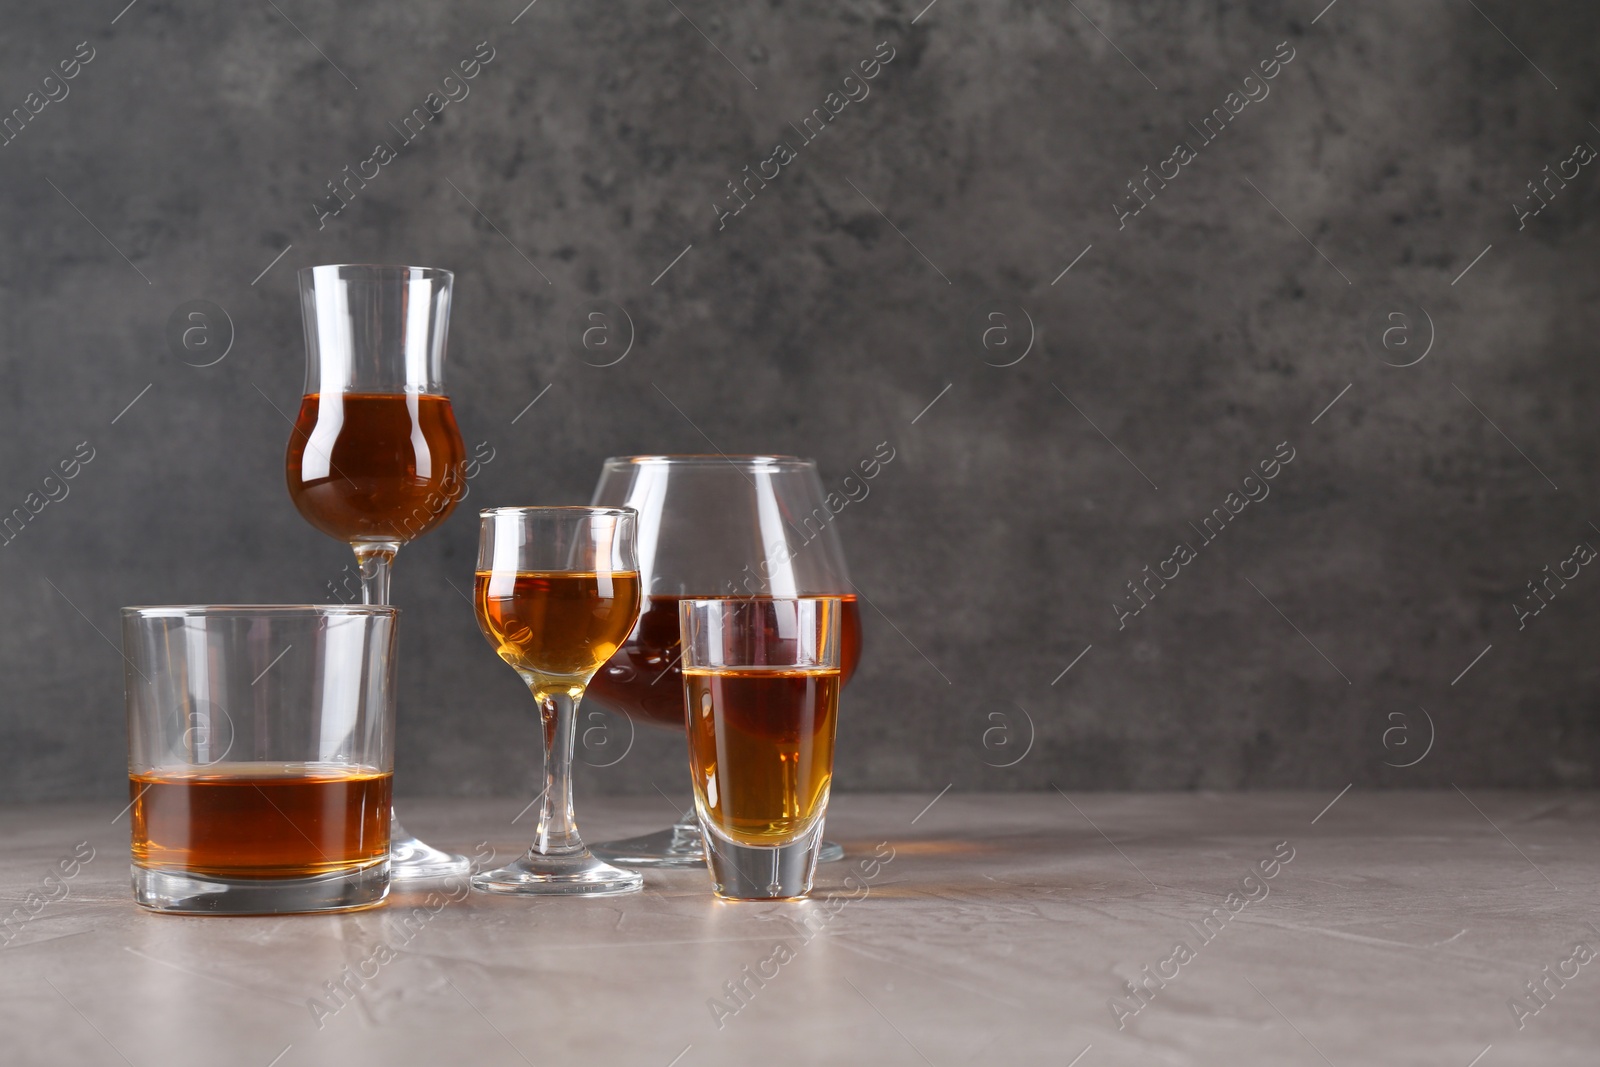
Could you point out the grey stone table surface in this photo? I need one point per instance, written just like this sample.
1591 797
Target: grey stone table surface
1383 928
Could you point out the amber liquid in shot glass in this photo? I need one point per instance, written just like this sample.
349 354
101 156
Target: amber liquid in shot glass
761 748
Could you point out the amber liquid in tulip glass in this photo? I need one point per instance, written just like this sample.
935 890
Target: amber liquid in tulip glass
375 466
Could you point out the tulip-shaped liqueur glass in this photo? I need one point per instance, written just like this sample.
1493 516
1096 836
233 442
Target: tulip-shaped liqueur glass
375 458
556 593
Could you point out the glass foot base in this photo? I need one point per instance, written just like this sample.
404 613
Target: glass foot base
412 860
573 874
752 872
671 849
676 849
184 893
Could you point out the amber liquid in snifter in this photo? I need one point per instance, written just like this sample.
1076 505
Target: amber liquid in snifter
260 820
761 748
375 466
557 624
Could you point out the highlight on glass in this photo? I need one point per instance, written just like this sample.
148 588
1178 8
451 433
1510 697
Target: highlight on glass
556 592
375 458
260 756
761 682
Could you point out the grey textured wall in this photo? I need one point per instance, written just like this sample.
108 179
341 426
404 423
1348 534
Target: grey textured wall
905 258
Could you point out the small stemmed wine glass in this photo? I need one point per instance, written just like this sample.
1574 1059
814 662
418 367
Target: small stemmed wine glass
556 593
375 458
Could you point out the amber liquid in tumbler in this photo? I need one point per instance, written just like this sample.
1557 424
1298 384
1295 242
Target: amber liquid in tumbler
253 820
644 680
761 748
557 624
375 466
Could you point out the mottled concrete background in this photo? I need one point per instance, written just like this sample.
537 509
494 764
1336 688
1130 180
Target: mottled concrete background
1360 213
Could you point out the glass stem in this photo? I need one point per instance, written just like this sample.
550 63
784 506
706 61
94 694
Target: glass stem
376 559
558 706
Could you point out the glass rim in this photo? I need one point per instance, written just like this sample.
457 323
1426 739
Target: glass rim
692 459
173 611
405 390
424 272
589 509
837 598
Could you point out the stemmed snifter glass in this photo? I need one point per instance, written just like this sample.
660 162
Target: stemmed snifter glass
713 526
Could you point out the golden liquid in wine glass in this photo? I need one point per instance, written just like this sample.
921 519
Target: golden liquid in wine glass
561 624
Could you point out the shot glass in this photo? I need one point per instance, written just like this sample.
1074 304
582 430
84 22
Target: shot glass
260 756
761 687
